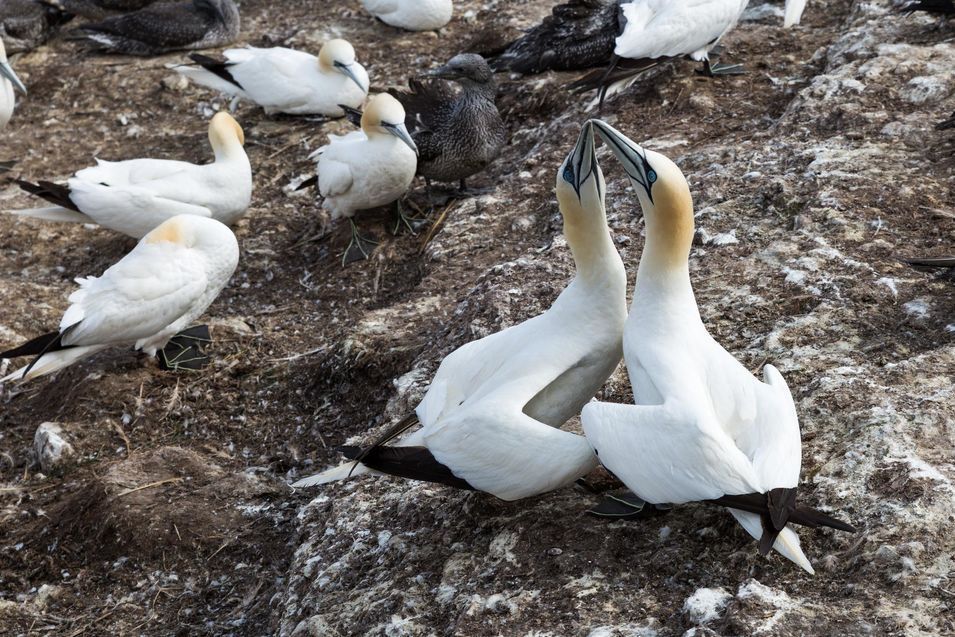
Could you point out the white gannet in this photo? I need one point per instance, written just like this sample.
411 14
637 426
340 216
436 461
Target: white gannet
136 195
367 168
702 427
282 80
491 418
413 15
9 82
166 26
169 279
793 15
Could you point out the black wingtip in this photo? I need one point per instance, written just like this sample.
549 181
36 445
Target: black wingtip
308 183
57 194
353 115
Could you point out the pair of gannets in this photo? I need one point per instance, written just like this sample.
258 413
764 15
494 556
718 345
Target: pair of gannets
9 83
282 80
458 132
144 300
167 26
413 15
367 168
136 195
491 418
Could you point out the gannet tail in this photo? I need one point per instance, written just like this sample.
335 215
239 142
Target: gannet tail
52 213
342 471
211 73
786 544
52 361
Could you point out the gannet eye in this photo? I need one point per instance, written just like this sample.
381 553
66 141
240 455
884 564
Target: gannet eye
568 173
651 176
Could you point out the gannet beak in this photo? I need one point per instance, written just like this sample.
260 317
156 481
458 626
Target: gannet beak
581 163
442 72
7 71
349 72
631 155
401 132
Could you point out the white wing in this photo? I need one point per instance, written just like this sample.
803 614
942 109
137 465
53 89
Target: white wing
138 297
668 28
664 455
132 171
794 9
334 177
132 210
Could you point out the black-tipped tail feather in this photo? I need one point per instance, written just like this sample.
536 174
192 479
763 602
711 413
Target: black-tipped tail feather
57 194
216 67
38 346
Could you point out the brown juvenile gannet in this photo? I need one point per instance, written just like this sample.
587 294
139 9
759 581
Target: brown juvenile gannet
167 26
941 7
458 131
98 9
144 300
26 24
491 418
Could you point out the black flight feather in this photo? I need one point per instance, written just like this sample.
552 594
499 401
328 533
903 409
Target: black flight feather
759 503
215 67
353 115
57 194
944 7
37 346
931 262
414 463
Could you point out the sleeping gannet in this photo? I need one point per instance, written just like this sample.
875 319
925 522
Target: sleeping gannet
793 15
136 195
282 80
367 168
702 428
491 419
942 7
166 26
458 132
9 82
413 15
26 24
169 279
645 33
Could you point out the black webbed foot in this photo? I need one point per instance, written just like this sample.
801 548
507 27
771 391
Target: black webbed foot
184 351
626 505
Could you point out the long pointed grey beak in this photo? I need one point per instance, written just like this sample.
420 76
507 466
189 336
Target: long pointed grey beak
401 132
631 155
7 71
442 72
581 164
348 71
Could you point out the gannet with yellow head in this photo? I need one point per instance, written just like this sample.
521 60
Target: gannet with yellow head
413 15
153 293
9 82
367 168
282 80
702 428
491 418
136 195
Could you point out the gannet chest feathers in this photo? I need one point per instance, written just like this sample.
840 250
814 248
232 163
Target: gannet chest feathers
282 80
136 195
413 15
702 428
490 419
153 293
9 82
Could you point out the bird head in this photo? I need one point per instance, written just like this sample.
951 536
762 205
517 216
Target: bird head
339 56
580 183
384 115
465 68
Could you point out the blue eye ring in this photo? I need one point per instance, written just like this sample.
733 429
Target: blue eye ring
568 174
651 176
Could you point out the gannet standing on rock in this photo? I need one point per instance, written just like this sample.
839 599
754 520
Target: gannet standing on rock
286 81
153 293
367 168
491 418
458 132
167 26
9 82
413 15
702 428
136 195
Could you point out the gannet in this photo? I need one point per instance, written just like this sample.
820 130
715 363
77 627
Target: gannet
458 132
367 168
943 7
136 195
9 82
702 428
285 81
26 24
167 26
491 419
793 15
145 299
413 15
98 9
647 32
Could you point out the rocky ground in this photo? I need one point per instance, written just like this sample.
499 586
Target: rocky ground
169 511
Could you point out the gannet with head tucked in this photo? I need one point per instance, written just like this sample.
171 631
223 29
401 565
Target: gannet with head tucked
167 26
491 418
367 168
136 195
26 24
702 428
282 80
793 12
413 15
9 82
458 132
169 279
